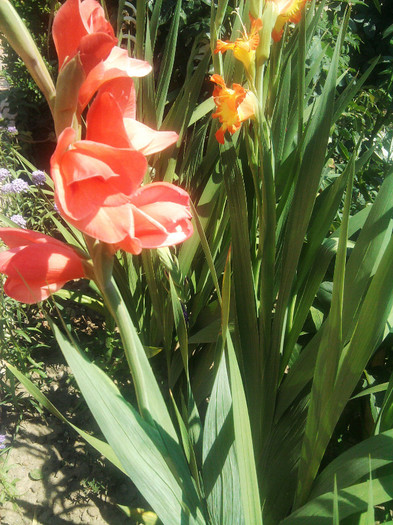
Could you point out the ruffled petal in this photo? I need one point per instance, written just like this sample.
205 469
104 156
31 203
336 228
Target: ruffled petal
95 48
153 234
94 16
85 198
90 175
127 163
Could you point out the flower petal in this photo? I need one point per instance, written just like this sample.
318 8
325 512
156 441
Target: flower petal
73 21
108 224
127 163
45 263
32 293
36 269
94 16
118 64
147 140
13 237
105 122
124 92
93 49
162 216
67 39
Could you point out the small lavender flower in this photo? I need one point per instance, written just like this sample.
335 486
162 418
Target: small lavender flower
2 439
19 185
56 208
4 173
38 177
12 130
7 188
19 220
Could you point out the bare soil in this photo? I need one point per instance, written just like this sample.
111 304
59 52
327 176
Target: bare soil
51 476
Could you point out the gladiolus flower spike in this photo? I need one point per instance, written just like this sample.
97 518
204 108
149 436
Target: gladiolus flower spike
36 265
288 11
243 48
234 106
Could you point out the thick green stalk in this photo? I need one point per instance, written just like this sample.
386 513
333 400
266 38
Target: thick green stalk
23 44
150 401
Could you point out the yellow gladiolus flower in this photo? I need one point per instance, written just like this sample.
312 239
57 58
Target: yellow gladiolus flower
288 11
234 106
243 48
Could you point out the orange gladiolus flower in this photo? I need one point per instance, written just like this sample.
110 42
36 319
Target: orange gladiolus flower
234 106
36 265
243 48
97 180
288 11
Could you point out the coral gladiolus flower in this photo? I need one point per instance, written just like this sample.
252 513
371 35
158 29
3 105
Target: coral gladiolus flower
243 48
160 216
234 106
79 23
93 178
97 181
36 265
80 28
288 11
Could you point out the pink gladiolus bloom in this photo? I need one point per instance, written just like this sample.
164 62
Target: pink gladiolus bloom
36 265
97 181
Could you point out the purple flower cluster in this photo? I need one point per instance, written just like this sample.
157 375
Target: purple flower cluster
19 185
38 177
7 188
4 173
19 220
12 130
2 439
16 186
